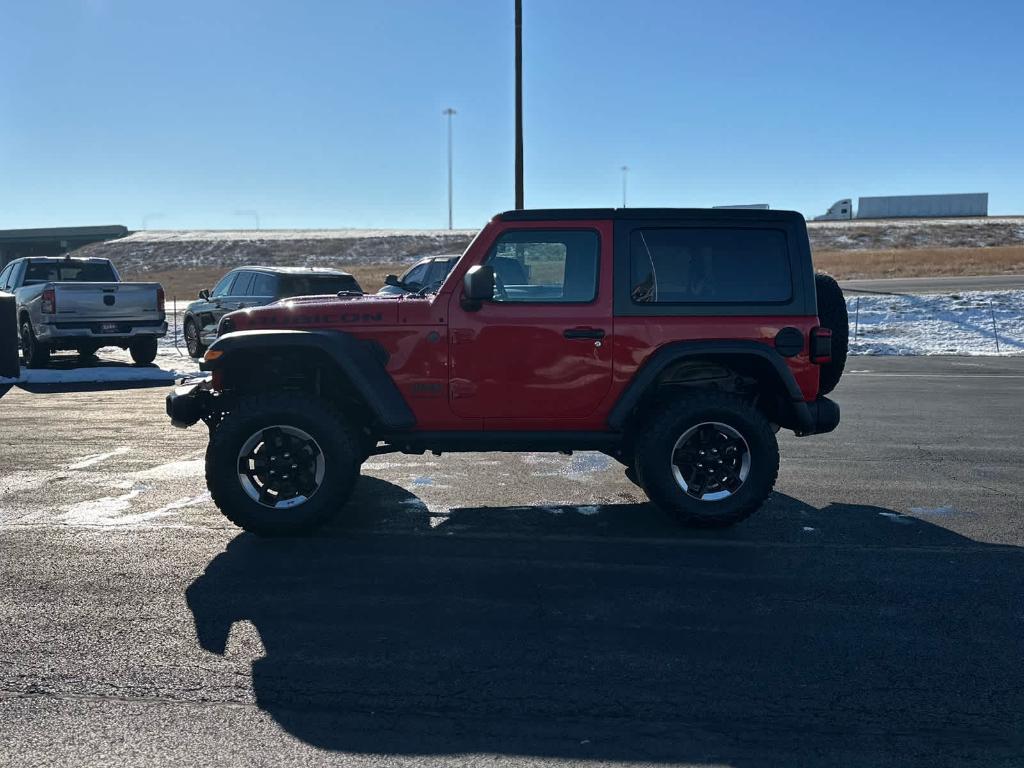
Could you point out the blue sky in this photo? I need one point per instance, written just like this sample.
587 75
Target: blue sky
328 114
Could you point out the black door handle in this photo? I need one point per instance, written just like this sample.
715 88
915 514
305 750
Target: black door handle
583 333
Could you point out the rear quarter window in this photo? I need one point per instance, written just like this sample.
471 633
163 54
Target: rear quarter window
709 265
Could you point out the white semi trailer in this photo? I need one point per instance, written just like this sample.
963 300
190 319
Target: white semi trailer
909 206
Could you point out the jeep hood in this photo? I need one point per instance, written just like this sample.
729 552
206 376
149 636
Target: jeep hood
320 311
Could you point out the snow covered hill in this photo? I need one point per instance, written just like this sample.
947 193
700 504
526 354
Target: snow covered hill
160 251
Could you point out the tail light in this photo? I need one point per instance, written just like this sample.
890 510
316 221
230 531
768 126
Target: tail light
160 298
48 305
821 345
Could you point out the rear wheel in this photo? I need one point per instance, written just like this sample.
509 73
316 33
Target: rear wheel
832 315
143 350
36 355
710 460
192 343
281 464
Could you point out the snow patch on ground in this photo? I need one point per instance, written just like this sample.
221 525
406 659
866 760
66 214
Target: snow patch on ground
965 323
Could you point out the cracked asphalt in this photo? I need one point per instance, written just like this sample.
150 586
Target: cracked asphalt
523 609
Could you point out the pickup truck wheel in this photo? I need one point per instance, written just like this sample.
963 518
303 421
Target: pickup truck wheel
709 460
281 464
192 343
36 355
143 350
833 315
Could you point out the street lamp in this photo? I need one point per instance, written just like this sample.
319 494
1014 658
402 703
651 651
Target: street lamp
625 172
448 113
519 105
255 215
149 217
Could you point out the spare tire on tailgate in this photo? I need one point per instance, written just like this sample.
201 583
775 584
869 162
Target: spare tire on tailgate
832 315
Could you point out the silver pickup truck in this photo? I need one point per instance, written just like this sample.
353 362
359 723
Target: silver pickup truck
81 304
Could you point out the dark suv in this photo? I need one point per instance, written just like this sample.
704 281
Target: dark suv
676 341
253 287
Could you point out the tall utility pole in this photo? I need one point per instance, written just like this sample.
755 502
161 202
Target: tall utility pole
625 171
519 104
448 113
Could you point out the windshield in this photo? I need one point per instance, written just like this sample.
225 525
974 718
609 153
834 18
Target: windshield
312 285
425 277
69 272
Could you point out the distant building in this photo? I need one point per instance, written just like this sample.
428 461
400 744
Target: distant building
15 243
909 207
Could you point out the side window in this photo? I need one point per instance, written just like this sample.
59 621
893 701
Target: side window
17 274
709 265
263 285
535 265
221 289
243 284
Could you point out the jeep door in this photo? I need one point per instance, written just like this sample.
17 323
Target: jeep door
541 349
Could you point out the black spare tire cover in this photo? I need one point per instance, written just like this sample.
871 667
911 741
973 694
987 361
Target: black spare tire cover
832 315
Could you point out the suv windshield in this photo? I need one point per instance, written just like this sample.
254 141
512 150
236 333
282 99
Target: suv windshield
69 272
313 285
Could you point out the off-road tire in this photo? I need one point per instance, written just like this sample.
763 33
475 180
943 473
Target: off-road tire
143 351
832 315
334 435
192 343
36 355
663 428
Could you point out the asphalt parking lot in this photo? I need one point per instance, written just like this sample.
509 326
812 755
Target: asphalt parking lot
525 609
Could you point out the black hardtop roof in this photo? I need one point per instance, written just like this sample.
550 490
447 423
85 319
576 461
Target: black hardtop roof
682 214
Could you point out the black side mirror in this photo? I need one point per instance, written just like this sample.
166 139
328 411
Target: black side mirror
204 294
478 284
393 280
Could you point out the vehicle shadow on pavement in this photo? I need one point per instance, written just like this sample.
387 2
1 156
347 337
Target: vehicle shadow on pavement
899 643
72 374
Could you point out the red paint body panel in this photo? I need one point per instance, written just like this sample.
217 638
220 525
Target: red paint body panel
508 366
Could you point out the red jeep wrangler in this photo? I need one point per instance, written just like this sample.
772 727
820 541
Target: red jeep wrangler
677 341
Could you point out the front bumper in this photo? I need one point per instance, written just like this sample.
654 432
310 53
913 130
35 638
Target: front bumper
189 403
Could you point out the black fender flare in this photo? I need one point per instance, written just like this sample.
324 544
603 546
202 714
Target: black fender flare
362 363
676 351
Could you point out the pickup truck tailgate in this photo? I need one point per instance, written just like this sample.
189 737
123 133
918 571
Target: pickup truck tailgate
107 301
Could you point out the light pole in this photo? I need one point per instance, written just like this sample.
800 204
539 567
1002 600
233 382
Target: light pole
519 104
254 214
625 172
448 113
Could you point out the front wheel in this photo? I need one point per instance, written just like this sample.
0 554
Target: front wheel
281 464
710 460
143 350
192 343
36 355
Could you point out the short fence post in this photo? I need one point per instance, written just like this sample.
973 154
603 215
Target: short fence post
856 321
995 330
